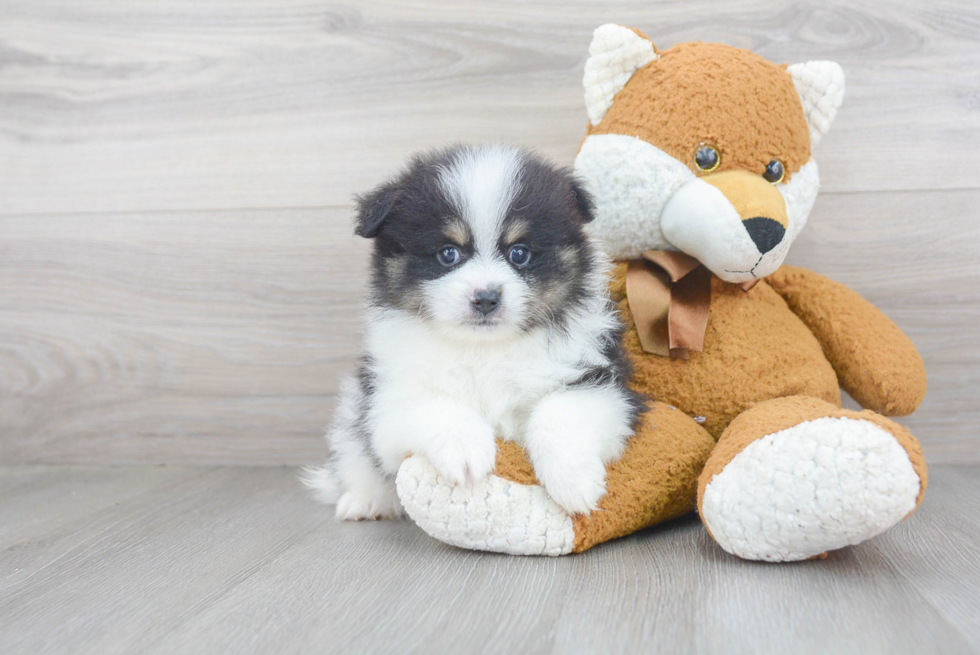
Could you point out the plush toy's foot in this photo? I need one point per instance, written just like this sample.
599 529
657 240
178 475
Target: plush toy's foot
793 478
494 514
509 512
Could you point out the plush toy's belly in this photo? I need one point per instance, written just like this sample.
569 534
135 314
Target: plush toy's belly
755 348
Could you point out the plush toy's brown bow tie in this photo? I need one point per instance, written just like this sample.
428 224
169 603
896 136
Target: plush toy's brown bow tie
669 294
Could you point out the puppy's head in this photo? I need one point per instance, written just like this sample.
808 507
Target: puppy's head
481 242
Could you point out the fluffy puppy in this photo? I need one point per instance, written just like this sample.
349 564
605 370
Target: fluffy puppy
488 317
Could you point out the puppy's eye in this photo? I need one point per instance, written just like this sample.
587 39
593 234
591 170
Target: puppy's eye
519 255
706 158
774 172
448 256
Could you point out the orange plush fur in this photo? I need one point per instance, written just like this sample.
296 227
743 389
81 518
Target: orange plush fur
707 92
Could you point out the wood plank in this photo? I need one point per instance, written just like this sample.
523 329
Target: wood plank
218 337
949 579
241 560
684 594
39 500
187 104
149 563
181 338
361 588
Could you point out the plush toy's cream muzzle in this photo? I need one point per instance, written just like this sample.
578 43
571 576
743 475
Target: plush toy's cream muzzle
758 203
733 222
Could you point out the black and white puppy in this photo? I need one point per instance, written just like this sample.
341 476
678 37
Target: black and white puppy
489 317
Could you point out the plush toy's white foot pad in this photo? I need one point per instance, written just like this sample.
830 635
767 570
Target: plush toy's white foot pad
493 514
809 489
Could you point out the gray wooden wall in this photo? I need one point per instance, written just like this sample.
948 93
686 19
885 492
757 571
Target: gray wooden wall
178 282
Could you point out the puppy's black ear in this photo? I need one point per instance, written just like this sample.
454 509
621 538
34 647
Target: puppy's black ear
583 200
373 208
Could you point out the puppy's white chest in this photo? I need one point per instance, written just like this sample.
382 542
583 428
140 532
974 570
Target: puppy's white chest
501 380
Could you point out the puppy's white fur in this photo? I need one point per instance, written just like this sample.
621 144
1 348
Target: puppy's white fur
445 386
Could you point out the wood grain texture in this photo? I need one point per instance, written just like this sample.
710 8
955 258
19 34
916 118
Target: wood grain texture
219 337
178 282
236 560
216 336
188 104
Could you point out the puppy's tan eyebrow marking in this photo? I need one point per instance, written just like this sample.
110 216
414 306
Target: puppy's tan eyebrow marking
395 267
516 230
457 231
569 256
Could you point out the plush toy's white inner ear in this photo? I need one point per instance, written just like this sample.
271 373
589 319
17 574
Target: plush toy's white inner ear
614 55
821 88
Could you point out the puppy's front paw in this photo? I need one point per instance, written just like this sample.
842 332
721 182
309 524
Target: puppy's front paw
575 483
464 455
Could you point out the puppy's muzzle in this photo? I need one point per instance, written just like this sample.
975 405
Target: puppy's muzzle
486 301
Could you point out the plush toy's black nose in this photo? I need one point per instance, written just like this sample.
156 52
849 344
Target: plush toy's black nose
765 232
486 300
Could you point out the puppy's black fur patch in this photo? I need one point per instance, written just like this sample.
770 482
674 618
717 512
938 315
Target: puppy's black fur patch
407 217
410 217
554 207
616 372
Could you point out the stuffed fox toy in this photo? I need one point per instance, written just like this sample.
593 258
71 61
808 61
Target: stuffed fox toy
699 158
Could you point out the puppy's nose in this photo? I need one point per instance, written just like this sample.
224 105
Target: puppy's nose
765 232
486 300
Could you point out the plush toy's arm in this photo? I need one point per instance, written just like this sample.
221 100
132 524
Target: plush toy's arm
874 360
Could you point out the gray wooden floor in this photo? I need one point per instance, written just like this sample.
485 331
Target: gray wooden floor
238 560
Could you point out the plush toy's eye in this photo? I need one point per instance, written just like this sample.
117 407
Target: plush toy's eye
448 256
519 255
706 158
774 172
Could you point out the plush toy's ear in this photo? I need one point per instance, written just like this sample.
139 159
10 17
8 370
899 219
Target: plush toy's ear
373 208
615 54
821 88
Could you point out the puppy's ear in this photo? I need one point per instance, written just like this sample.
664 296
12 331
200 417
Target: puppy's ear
583 200
373 209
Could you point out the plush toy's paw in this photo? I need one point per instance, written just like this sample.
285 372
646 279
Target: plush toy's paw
511 512
492 514
464 458
353 506
815 486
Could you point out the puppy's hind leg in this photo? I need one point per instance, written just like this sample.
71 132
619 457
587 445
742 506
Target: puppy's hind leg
367 492
352 478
